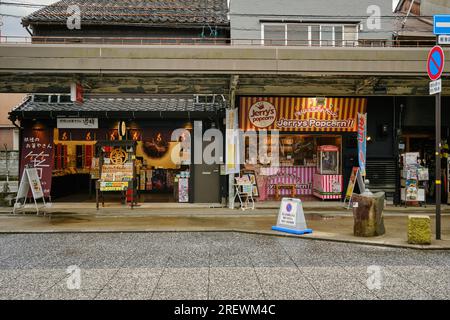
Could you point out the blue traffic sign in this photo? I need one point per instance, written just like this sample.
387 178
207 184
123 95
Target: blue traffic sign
435 63
441 24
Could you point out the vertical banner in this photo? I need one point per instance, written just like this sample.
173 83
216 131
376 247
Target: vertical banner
37 152
362 142
231 143
76 92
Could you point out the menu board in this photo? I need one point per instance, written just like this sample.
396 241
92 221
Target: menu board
117 173
113 186
116 177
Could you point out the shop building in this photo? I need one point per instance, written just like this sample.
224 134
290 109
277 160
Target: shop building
314 139
123 138
314 23
119 141
321 79
125 22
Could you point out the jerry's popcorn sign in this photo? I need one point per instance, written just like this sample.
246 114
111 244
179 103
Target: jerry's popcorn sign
301 114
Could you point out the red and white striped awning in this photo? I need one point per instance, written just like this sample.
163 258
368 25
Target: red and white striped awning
300 114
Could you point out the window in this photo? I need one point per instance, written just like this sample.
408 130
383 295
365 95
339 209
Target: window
297 35
275 35
327 36
303 34
16 139
350 36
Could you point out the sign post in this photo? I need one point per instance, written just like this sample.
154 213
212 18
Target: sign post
435 67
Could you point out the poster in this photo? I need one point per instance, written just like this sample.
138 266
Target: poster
183 190
35 183
411 158
362 142
251 176
351 183
37 152
412 190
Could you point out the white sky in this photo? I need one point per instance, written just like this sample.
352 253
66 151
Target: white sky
12 26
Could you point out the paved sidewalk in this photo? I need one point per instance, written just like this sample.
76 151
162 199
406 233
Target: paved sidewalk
213 265
333 225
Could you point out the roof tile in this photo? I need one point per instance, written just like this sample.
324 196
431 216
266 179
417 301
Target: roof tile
170 104
135 12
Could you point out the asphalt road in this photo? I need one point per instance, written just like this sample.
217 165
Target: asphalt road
213 266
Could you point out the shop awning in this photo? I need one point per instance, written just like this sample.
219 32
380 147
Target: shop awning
173 107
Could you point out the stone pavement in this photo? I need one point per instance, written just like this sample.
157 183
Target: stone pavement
214 265
332 223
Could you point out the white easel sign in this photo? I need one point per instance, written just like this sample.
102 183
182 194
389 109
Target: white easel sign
30 179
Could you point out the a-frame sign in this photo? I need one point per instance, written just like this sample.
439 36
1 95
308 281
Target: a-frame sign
30 180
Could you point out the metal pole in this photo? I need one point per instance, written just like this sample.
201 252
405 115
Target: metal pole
438 166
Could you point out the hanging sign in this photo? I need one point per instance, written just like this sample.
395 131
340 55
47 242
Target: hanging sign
76 92
77 123
300 114
362 142
291 218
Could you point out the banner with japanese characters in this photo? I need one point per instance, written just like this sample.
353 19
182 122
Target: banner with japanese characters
362 142
37 152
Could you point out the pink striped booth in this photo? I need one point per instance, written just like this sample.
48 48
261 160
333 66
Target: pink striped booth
301 176
328 186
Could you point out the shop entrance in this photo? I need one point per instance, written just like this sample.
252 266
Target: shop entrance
301 158
161 172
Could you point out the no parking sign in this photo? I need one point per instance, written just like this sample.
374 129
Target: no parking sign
291 218
435 63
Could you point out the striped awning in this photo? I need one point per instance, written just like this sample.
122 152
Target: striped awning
300 114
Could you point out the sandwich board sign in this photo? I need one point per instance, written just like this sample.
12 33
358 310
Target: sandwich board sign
30 180
355 177
291 218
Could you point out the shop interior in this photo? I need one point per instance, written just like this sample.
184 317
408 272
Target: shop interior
301 159
81 158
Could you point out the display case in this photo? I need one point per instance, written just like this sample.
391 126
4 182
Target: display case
328 160
117 169
414 179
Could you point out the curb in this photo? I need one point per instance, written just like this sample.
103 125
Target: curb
256 232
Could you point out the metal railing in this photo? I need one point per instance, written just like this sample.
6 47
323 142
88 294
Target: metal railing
377 43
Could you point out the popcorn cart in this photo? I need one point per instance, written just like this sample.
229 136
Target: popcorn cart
327 181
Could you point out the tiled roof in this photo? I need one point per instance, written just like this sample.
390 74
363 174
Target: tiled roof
131 12
413 26
160 104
